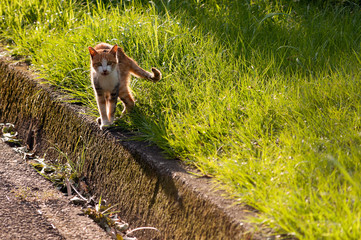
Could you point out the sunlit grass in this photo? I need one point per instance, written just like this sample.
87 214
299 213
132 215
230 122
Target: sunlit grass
262 95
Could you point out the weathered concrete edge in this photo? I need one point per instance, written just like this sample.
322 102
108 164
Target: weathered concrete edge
150 189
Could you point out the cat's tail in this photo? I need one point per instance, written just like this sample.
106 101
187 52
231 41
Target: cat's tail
134 68
157 75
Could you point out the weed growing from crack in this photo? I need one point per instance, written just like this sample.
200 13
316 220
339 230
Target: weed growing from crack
9 135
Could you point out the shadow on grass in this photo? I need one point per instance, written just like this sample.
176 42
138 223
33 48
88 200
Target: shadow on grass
304 36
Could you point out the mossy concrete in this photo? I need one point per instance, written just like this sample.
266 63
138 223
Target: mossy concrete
150 190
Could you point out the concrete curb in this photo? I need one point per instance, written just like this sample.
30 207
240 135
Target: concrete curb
150 189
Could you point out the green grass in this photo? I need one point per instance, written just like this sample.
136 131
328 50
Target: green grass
262 95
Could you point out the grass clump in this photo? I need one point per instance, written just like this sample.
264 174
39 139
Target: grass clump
262 95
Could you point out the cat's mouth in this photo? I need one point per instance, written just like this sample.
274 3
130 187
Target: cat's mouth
105 73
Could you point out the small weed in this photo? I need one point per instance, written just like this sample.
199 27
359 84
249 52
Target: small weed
23 193
9 135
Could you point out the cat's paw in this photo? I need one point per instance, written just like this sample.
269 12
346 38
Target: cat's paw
103 125
157 75
99 121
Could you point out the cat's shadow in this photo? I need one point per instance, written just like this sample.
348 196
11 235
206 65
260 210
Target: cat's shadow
159 165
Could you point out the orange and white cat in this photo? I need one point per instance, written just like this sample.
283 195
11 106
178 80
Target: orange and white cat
110 74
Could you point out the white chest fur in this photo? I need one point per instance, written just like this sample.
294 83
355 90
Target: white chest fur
107 82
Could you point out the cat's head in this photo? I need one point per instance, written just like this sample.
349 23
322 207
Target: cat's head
103 58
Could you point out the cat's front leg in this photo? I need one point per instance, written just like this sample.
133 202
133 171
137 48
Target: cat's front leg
101 102
112 103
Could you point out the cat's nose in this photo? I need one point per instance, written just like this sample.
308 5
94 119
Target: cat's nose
105 72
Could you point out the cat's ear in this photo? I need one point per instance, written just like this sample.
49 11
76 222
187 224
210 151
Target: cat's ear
121 54
92 51
114 49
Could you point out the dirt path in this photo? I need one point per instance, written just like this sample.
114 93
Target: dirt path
31 208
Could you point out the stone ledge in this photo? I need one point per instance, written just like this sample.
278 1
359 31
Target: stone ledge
150 189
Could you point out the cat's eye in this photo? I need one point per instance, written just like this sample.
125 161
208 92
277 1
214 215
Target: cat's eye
98 64
109 63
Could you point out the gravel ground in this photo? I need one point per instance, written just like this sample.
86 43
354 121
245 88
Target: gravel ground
31 208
